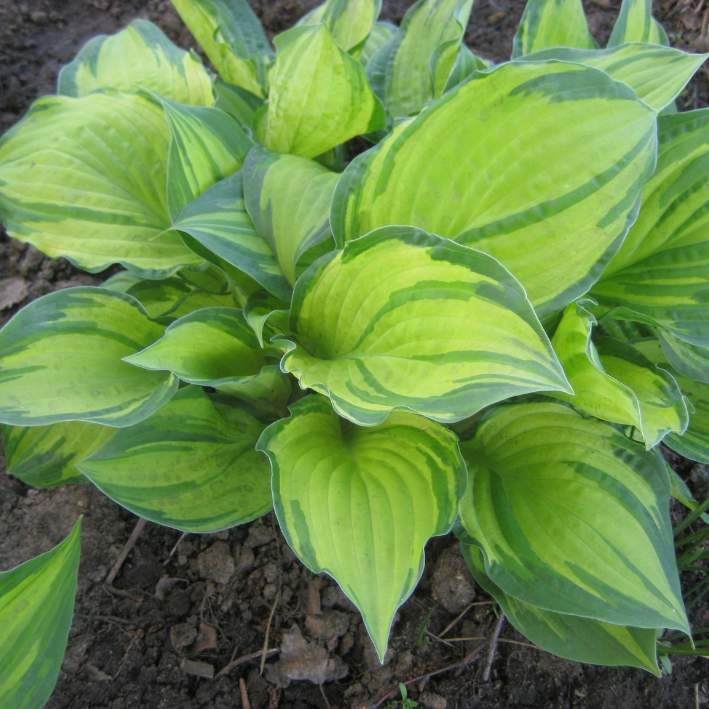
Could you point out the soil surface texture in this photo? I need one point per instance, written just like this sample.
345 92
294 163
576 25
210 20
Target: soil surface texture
185 624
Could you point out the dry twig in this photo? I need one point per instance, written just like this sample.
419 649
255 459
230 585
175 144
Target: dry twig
245 658
125 551
268 629
493 647
245 703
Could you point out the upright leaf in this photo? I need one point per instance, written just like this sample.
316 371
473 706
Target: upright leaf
411 69
238 103
216 347
656 74
288 199
218 220
47 455
61 360
350 21
140 56
636 24
36 607
262 307
361 503
86 179
570 637
615 382
690 361
187 466
233 38
206 145
552 23
465 64
402 318
539 165
572 516
320 96
381 33
661 273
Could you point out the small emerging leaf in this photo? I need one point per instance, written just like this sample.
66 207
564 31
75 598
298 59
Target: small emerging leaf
188 466
636 24
36 607
361 503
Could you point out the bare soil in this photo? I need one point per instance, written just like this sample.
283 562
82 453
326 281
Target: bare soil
177 617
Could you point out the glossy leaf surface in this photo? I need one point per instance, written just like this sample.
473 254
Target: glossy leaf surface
61 360
569 148
401 318
188 466
361 503
572 516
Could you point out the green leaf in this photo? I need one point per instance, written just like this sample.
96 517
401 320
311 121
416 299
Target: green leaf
47 455
636 24
216 347
139 57
615 382
569 148
552 23
206 145
694 443
689 360
288 199
60 360
568 636
656 74
218 220
36 607
238 103
465 64
233 39
381 33
661 273
262 307
402 318
319 96
572 516
86 179
361 503
350 21
188 466
412 68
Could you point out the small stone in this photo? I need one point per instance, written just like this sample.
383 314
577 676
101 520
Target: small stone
39 17
216 563
182 635
328 626
12 291
431 700
452 584
259 534
244 561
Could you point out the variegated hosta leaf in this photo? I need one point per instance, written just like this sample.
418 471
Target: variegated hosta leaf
636 24
320 96
86 178
288 199
694 443
238 103
661 273
190 466
657 74
361 503
233 39
381 33
539 165
615 382
262 308
47 455
572 516
61 360
216 347
689 360
218 220
412 68
568 636
350 21
402 318
140 56
206 145
465 64
552 23
36 607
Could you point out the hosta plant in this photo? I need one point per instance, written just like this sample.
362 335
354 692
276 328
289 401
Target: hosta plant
488 321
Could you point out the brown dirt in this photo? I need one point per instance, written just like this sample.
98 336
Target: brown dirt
211 601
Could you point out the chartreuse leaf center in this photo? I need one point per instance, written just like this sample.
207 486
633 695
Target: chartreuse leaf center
360 503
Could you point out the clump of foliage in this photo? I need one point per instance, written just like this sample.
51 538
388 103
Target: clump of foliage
489 320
